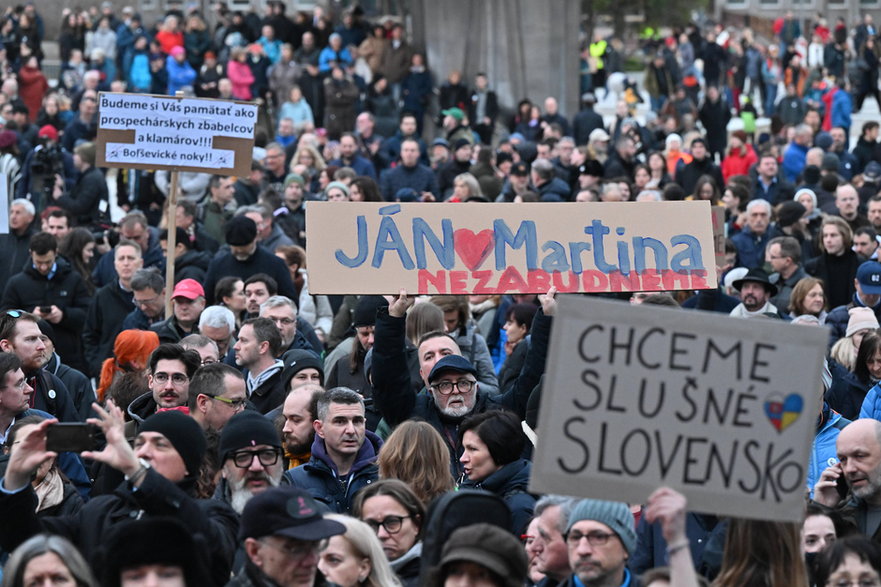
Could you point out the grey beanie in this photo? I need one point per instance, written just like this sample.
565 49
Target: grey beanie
614 514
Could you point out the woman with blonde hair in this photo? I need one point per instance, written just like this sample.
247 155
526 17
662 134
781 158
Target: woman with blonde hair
356 558
416 454
311 159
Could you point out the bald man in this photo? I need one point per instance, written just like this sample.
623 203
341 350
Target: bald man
859 453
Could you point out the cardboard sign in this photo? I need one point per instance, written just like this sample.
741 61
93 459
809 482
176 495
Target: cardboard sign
721 409
143 131
373 247
7 204
718 216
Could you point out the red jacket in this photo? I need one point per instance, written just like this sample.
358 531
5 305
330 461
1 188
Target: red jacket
736 163
32 85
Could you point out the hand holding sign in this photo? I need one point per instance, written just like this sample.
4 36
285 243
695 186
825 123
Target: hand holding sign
667 507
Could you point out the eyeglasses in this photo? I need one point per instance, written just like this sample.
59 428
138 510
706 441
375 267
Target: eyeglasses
392 524
18 386
285 321
146 302
297 550
594 538
446 387
236 404
244 458
176 378
208 361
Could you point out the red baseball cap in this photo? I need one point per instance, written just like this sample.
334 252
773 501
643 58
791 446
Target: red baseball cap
188 288
48 131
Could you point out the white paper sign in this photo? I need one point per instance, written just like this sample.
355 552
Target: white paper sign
174 132
722 409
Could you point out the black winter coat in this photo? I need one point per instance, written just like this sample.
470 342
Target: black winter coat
108 309
157 496
68 291
83 201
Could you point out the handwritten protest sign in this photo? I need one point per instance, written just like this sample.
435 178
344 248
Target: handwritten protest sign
722 409
373 247
175 133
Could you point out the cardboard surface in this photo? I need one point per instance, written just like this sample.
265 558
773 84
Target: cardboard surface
722 409
144 131
378 248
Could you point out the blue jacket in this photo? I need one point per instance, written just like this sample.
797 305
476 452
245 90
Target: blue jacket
361 165
842 106
823 453
871 407
328 55
836 319
319 475
794 161
180 75
751 247
510 483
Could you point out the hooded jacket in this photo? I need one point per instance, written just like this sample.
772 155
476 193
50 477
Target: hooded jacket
320 477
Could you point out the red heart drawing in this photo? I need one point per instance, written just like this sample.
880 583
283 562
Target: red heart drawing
472 248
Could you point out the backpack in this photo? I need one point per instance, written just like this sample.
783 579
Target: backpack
452 511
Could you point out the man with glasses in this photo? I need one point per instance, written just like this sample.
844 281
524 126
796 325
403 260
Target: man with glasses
148 296
250 453
283 312
171 368
187 302
283 532
600 537
343 454
203 345
217 393
110 306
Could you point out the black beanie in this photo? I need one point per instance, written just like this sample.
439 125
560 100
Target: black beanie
240 231
152 540
811 175
365 311
295 360
789 213
246 429
184 434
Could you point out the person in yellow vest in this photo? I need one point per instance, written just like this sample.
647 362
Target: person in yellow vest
597 52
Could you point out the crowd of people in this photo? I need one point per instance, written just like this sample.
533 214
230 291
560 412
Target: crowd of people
260 434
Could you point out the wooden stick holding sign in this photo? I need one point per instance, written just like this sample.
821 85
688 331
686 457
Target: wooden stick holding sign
175 133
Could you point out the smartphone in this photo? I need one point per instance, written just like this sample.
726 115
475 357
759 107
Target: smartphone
841 486
71 437
45 309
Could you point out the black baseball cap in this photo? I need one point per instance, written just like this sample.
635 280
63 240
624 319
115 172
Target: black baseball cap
286 511
454 363
520 168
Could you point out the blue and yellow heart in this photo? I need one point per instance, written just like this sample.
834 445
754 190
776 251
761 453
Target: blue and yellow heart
783 412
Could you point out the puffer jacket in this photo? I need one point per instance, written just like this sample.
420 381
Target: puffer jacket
320 477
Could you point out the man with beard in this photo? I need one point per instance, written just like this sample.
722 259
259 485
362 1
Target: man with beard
601 539
299 412
171 369
396 398
859 455
250 453
217 393
755 290
21 336
343 453
256 350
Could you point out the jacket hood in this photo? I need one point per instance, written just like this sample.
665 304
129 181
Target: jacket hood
366 454
142 407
